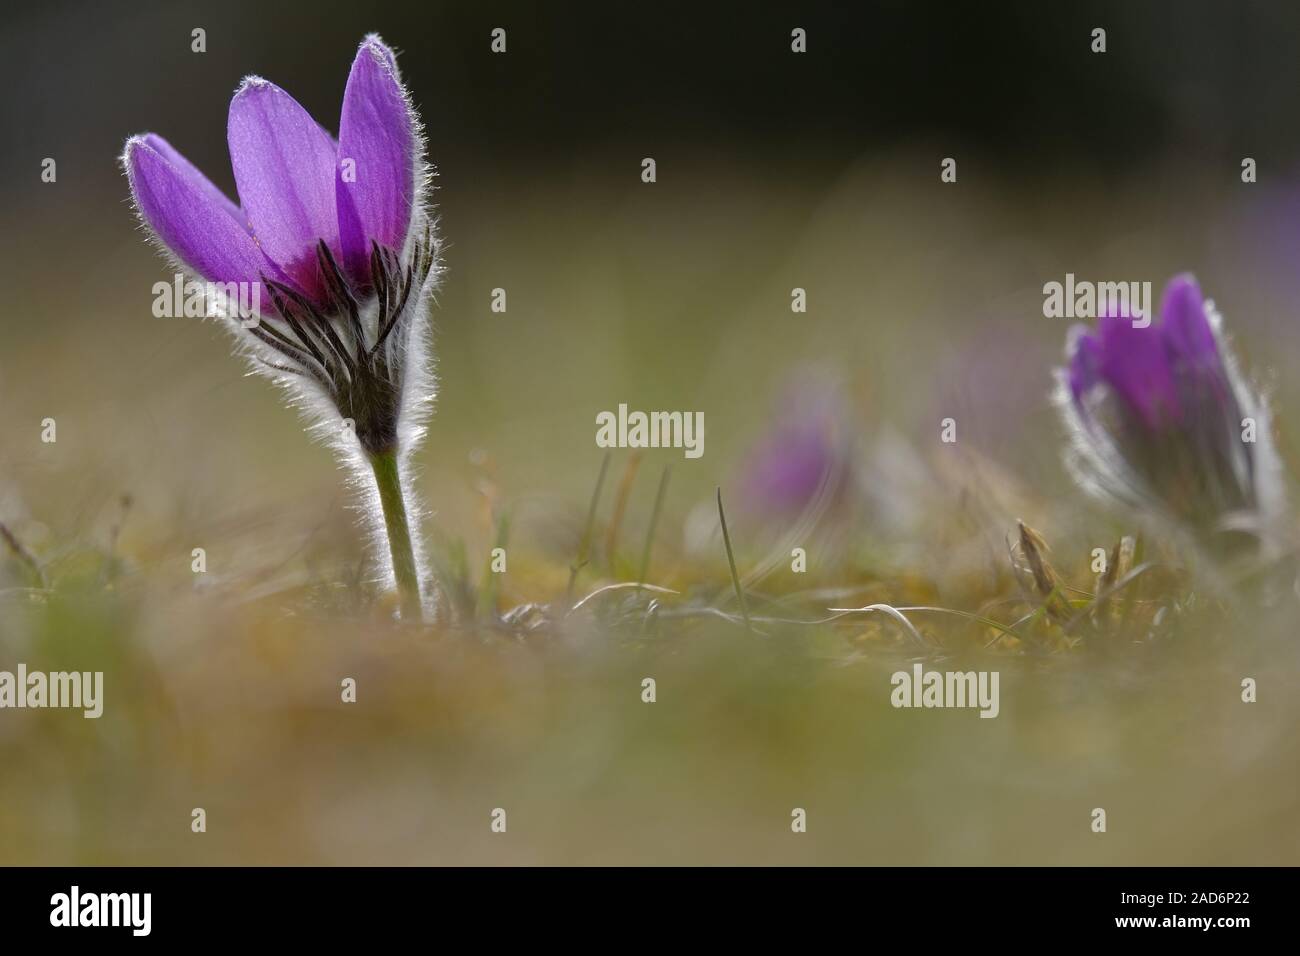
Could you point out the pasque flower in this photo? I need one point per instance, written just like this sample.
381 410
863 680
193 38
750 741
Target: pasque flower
801 462
336 241
1162 420
797 483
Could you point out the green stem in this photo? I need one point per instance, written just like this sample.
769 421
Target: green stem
399 533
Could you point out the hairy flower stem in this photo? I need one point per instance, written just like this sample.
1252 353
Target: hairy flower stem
399 533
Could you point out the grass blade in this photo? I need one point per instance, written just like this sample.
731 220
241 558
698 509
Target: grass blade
624 491
731 561
584 546
23 555
654 523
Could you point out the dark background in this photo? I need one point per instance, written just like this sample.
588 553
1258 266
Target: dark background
1017 80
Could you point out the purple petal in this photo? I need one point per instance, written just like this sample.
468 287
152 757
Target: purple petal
1134 363
787 468
198 224
194 175
1193 350
284 168
1187 330
377 133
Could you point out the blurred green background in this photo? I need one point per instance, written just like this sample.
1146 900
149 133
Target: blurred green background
819 171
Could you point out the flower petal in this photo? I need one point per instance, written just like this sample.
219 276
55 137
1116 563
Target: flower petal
1187 330
785 471
191 217
284 168
1194 357
191 172
377 158
1134 363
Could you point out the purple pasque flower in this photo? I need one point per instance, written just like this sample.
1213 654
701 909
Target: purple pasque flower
333 237
336 244
796 464
800 464
1161 419
797 480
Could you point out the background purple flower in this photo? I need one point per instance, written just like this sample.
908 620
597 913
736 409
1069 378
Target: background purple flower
801 461
1162 421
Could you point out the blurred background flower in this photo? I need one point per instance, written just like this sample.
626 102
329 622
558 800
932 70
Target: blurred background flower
801 465
1162 420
